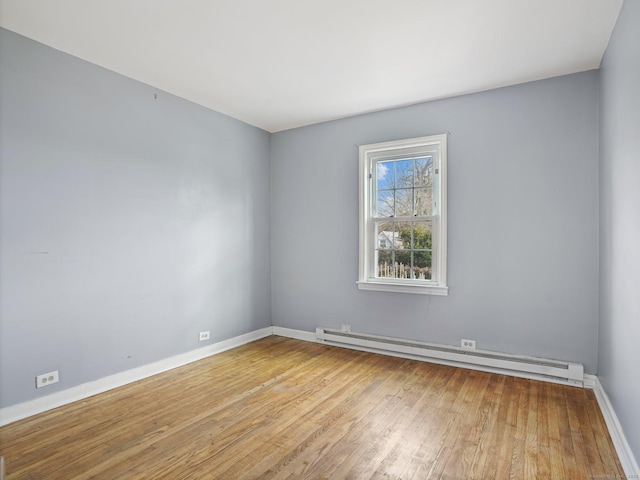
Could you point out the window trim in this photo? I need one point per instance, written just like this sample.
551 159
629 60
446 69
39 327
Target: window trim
367 280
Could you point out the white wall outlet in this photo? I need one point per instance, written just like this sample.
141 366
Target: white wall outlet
47 379
466 343
204 336
345 327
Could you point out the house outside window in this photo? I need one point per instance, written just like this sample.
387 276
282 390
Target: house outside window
403 228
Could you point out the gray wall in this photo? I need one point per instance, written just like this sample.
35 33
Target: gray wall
619 355
523 222
128 223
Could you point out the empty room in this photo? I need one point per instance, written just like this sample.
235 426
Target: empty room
351 239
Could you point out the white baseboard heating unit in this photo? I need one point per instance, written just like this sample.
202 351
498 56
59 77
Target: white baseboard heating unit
495 362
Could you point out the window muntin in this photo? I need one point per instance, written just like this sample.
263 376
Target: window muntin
403 222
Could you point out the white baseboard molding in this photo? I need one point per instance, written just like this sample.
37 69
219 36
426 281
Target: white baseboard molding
297 334
628 461
589 381
85 390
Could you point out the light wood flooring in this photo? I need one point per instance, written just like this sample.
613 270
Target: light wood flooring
280 408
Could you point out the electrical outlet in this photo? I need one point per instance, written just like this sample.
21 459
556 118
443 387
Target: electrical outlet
204 336
466 343
47 379
345 327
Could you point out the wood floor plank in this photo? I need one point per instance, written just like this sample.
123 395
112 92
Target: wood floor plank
406 459
366 412
280 408
531 437
400 430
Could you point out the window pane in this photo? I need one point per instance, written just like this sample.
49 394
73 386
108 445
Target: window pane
402 235
404 173
422 235
384 175
424 201
403 264
404 202
424 172
385 204
421 265
385 235
385 264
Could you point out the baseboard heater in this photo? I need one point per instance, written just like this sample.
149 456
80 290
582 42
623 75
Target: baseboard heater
496 362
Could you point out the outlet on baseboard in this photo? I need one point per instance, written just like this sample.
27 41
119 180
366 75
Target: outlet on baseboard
466 343
204 336
345 327
47 379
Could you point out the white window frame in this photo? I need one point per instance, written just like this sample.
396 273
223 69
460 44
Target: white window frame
436 146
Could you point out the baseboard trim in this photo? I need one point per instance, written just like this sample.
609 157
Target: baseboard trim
26 409
297 334
589 381
627 460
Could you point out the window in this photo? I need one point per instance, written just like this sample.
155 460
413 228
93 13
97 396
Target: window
403 221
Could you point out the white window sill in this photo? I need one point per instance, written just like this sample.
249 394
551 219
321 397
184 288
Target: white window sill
404 288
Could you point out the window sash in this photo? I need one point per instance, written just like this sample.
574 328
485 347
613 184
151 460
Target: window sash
373 249
416 154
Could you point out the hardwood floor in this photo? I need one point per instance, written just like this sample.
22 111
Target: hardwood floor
285 409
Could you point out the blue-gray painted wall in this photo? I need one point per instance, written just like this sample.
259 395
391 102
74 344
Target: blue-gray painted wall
523 222
619 333
128 223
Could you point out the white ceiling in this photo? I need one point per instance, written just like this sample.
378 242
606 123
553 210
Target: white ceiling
279 64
